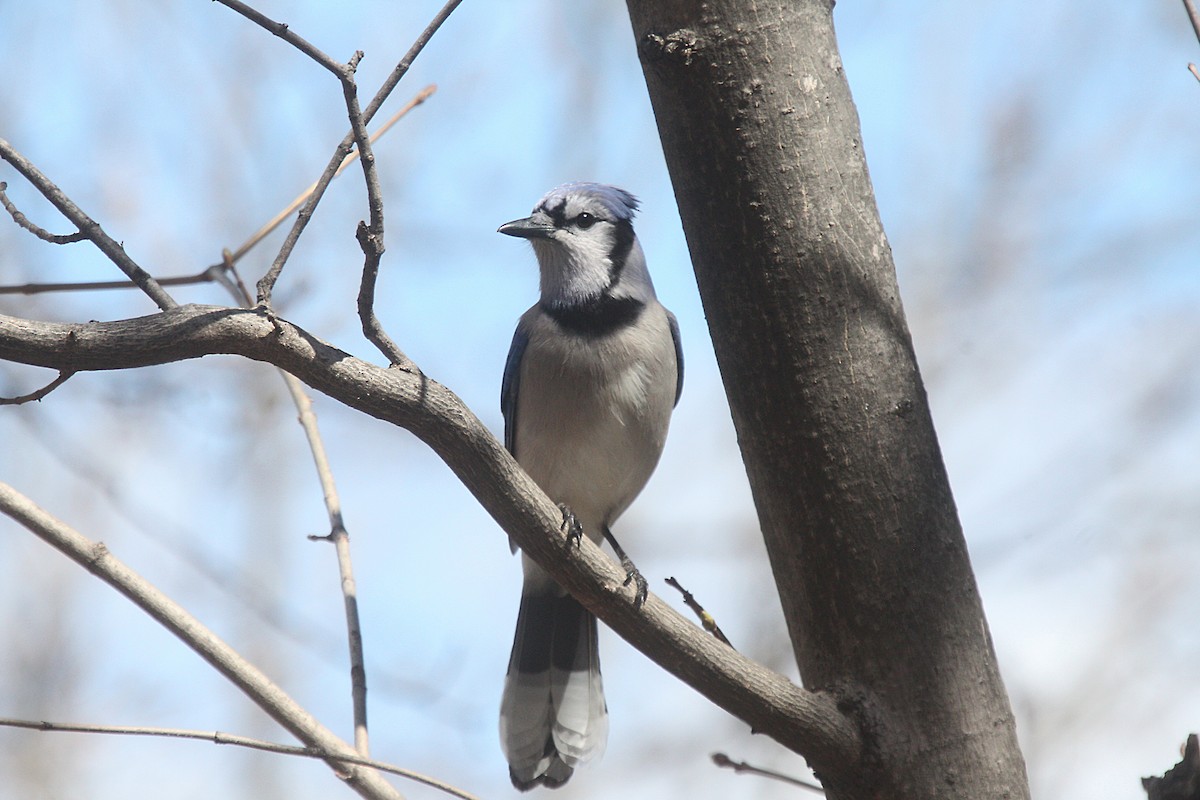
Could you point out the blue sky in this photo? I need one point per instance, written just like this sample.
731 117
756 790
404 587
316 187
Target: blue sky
1035 169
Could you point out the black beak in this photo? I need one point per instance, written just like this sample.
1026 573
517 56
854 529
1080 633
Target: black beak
527 228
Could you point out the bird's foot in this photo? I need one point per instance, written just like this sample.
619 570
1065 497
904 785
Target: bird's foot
631 572
570 525
632 575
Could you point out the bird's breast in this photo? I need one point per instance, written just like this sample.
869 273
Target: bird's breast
593 413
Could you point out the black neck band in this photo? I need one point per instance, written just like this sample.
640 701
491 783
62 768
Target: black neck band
599 316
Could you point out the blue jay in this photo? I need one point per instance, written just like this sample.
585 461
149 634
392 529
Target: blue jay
593 374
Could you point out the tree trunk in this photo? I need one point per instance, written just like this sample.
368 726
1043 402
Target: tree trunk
763 145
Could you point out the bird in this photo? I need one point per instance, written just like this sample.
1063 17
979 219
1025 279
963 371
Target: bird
593 374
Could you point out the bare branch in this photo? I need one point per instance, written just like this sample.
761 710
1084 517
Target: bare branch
88 227
402 67
338 535
722 760
370 237
1193 16
706 619
341 540
62 378
266 230
281 30
354 639
267 283
24 222
97 559
372 247
366 156
212 274
807 722
219 737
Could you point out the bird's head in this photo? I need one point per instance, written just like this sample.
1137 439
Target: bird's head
582 235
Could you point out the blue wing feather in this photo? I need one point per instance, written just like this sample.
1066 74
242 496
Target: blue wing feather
674 323
510 385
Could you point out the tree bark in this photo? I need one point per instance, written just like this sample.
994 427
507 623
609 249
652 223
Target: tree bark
763 146
1180 782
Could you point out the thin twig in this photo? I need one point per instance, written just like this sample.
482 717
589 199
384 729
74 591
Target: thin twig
370 237
97 559
341 541
1194 16
209 275
220 737
722 760
27 224
366 155
267 283
372 248
402 66
235 284
339 534
266 230
706 619
354 638
239 584
88 227
62 378
281 30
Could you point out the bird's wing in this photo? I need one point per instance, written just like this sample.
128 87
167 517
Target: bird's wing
510 385
674 323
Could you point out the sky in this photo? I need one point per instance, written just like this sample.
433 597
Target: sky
1034 166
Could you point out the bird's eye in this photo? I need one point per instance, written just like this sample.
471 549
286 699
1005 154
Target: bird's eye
585 221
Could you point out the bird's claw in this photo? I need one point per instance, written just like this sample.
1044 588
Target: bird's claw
570 525
633 576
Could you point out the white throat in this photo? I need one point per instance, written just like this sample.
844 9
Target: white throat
572 273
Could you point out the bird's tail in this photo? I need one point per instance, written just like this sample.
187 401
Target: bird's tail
552 714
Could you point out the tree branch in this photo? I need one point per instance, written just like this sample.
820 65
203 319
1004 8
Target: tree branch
706 619
62 378
338 534
1193 16
24 222
87 226
215 273
219 737
810 723
741 767
96 558
275 221
282 30
267 283
340 538
372 247
402 66
370 236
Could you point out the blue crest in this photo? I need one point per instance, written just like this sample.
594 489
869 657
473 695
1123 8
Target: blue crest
620 203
